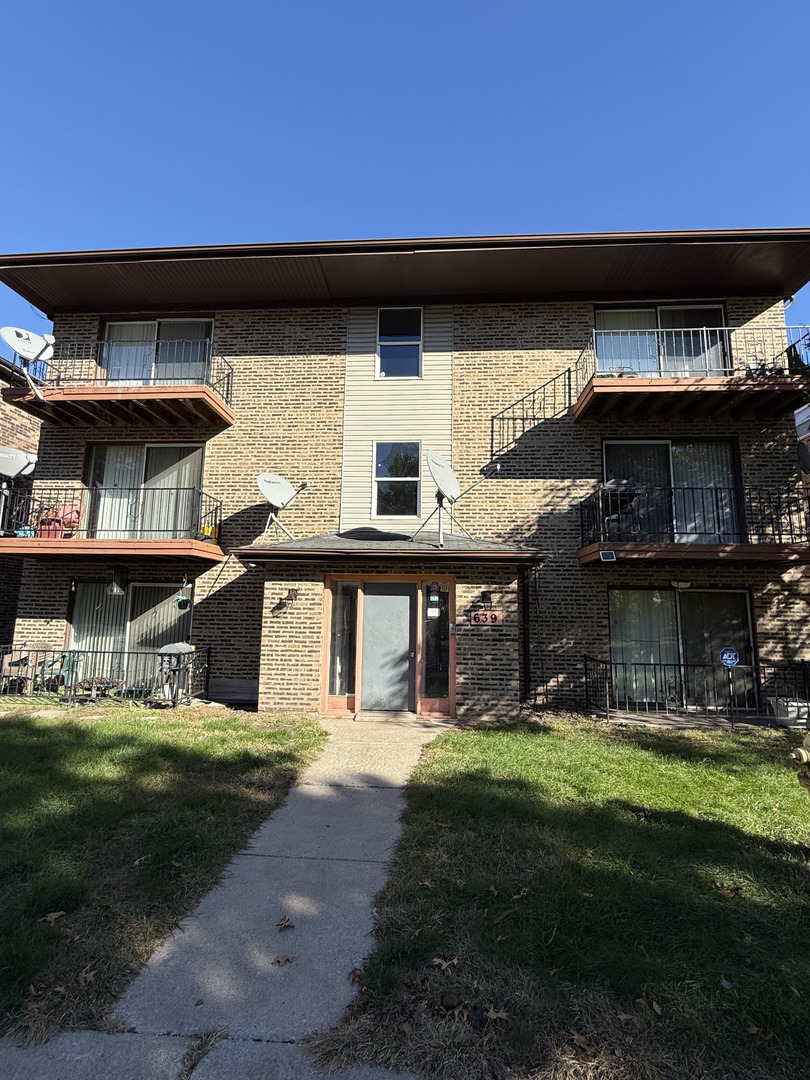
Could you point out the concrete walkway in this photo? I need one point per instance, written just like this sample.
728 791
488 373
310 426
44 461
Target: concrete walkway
319 861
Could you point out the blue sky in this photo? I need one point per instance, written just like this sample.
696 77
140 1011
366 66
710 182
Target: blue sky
167 123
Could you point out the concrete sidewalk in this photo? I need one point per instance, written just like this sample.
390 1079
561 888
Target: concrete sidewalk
320 861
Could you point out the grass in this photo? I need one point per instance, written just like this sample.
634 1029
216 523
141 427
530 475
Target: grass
114 822
572 900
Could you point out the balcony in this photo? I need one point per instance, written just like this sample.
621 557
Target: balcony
697 524
707 372
105 384
132 522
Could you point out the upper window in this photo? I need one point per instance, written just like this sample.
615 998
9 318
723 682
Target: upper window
396 479
399 342
670 341
168 352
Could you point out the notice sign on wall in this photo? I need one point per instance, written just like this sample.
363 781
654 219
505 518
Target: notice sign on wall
486 618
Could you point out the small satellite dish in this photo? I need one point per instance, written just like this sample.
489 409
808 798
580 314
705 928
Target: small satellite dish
278 491
280 494
29 347
446 480
16 462
804 457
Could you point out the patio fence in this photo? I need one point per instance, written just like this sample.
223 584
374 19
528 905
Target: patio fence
776 692
74 675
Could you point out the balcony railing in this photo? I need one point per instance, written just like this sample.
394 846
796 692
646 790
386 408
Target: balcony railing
136 363
706 353
98 513
626 513
148 677
778 692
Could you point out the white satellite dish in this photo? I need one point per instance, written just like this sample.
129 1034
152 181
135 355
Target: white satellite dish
16 462
29 347
449 489
280 494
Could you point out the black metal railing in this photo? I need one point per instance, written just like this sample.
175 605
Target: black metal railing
136 363
761 353
777 691
97 513
77 674
624 512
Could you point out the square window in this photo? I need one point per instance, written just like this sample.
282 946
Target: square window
396 479
399 342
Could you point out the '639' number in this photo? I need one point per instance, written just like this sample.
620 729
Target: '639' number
486 618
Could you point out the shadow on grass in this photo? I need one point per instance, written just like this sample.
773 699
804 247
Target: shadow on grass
727 748
116 834
616 899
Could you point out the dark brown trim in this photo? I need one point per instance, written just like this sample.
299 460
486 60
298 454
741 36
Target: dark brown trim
342 555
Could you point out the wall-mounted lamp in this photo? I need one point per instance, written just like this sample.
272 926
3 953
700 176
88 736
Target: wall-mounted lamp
286 602
117 581
486 598
681 585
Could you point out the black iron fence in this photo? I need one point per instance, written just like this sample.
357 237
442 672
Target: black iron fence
778 692
112 514
136 363
76 675
625 512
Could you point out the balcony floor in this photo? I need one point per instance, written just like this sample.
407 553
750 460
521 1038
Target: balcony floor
621 397
672 552
54 548
111 406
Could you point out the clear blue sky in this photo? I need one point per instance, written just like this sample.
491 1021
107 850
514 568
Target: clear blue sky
142 124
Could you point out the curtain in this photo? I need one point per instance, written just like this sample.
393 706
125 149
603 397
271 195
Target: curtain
155 618
710 622
114 499
638 497
170 501
128 353
690 343
644 632
182 352
622 345
704 497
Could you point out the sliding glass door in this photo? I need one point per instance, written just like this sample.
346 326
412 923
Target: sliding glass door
677 342
168 352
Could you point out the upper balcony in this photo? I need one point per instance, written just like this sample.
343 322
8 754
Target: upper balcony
99 521
703 372
753 524
109 383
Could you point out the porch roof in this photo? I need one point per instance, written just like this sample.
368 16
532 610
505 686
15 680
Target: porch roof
359 544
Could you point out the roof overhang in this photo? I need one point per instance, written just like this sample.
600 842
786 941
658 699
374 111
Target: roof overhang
608 266
417 553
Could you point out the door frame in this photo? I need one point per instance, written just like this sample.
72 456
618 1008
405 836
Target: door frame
438 708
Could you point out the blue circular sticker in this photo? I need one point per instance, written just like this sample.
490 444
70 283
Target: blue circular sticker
729 657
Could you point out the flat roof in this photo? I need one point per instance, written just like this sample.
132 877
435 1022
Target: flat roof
607 266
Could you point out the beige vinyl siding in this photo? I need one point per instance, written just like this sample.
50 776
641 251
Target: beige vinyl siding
393 410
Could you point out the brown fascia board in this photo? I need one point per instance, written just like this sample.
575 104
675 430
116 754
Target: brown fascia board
769 262
268 554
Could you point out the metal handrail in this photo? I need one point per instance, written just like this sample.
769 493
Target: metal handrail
629 513
115 513
190 362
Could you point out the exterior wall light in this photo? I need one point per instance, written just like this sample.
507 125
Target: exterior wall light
117 581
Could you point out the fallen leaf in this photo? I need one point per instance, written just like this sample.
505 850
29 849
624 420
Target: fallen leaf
554 971
139 861
86 976
32 989
52 917
553 935
581 1041
588 894
725 984
656 1007
60 989
283 959
493 890
428 884
496 1014
503 915
734 890
356 975
522 892
626 1016
285 924
445 962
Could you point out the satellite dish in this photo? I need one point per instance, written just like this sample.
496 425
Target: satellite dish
279 493
450 489
16 462
804 457
29 347
446 480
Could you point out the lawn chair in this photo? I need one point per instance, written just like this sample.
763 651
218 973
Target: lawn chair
13 677
61 523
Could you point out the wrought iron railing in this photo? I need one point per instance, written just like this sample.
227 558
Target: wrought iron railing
761 353
777 691
625 512
77 674
98 513
136 363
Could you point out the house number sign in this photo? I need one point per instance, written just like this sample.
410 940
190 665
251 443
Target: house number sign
486 618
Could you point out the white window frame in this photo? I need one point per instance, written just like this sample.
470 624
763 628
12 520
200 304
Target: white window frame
375 481
402 307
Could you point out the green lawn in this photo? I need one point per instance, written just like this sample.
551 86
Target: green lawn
636 902
114 822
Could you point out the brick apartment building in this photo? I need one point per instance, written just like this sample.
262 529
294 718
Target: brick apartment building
636 391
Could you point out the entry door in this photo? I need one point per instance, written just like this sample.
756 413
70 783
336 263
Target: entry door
389 647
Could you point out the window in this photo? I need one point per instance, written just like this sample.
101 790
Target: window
396 479
168 352
669 341
399 343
